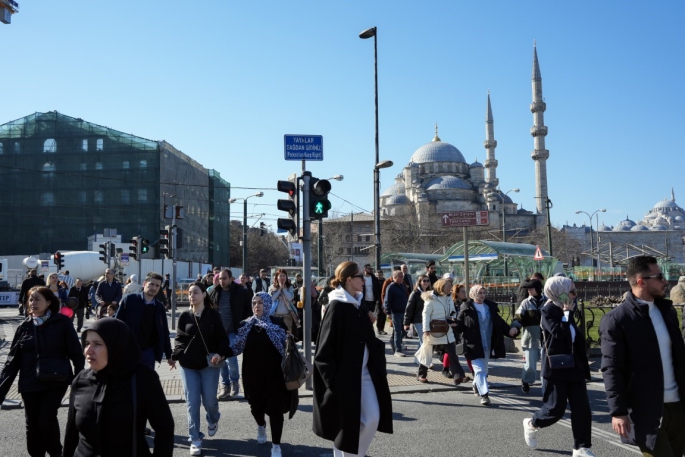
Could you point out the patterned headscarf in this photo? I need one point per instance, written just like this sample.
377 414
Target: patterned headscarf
276 334
473 292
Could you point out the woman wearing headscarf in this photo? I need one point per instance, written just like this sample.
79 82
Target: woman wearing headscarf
261 340
50 336
438 305
564 385
351 393
458 297
413 315
200 336
111 401
133 287
483 331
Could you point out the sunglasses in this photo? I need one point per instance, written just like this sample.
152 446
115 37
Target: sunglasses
358 276
658 276
425 280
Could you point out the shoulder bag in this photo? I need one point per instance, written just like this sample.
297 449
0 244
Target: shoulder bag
558 361
296 369
439 327
51 369
210 355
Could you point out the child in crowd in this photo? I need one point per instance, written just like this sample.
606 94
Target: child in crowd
112 310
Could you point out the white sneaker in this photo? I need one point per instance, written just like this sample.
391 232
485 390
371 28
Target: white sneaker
212 429
196 448
276 450
530 435
261 434
583 452
399 354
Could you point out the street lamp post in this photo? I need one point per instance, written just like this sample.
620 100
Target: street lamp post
504 223
377 209
368 33
233 200
322 272
592 246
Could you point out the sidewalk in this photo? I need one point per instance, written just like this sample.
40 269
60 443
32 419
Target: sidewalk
503 373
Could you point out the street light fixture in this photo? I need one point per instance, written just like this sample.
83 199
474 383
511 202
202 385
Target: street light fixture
233 200
592 247
368 33
320 244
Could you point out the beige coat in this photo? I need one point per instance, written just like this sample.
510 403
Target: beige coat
437 307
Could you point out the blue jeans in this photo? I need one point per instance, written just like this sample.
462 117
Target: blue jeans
397 328
229 370
200 386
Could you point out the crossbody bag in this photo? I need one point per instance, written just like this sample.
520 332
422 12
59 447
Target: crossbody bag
210 355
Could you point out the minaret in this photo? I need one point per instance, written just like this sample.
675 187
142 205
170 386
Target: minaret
490 145
539 132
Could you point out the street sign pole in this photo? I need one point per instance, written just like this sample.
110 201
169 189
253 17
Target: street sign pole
466 260
307 273
172 284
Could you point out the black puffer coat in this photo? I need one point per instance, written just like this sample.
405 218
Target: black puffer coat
469 327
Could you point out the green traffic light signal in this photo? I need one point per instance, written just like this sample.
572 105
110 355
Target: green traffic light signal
318 209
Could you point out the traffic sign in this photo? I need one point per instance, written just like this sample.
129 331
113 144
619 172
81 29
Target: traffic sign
538 254
303 147
44 265
465 218
124 260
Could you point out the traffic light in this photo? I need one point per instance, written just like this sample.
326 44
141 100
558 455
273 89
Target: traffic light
290 205
104 252
145 247
58 259
164 246
319 204
262 228
134 248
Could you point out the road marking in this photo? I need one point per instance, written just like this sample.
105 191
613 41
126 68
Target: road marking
608 437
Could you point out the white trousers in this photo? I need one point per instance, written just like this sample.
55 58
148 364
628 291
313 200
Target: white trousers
369 418
480 374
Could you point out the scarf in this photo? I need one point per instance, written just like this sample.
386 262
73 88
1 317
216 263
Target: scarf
473 292
555 287
275 333
40 320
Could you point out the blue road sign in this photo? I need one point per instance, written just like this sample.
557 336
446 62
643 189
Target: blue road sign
303 147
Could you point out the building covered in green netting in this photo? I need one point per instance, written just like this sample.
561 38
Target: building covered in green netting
64 179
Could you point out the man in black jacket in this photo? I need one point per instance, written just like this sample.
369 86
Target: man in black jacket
372 298
81 294
32 281
643 364
233 304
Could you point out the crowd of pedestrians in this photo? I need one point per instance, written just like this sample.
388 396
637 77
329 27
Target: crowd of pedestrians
118 394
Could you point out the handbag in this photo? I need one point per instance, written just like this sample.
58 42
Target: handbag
51 369
209 355
557 361
425 353
296 368
439 328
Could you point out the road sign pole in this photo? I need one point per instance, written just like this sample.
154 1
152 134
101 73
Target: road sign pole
307 273
466 260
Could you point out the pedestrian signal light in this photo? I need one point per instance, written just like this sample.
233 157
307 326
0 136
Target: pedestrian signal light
134 247
319 204
58 259
164 245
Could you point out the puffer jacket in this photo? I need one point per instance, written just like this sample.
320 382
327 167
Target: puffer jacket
437 307
528 317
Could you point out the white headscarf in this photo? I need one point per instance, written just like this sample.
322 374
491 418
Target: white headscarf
473 292
557 286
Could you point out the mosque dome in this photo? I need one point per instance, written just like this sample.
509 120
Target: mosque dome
658 227
447 182
624 225
395 189
397 200
604 228
638 228
667 204
476 164
437 151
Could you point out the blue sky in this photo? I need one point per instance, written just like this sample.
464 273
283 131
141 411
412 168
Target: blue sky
223 81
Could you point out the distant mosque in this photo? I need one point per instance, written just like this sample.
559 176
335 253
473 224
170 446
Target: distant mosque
438 179
665 215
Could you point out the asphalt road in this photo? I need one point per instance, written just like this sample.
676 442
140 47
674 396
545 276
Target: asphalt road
426 424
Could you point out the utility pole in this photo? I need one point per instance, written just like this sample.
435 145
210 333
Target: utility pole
307 270
549 205
172 284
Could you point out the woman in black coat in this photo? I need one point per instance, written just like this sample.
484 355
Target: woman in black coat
561 336
483 331
261 340
351 393
51 336
112 400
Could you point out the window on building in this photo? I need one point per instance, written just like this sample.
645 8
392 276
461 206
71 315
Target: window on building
98 165
100 145
359 238
17 147
368 238
349 251
50 146
125 196
494 207
340 250
47 199
142 195
48 167
84 145
143 164
82 196
98 196
126 165
347 237
83 166
1 148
